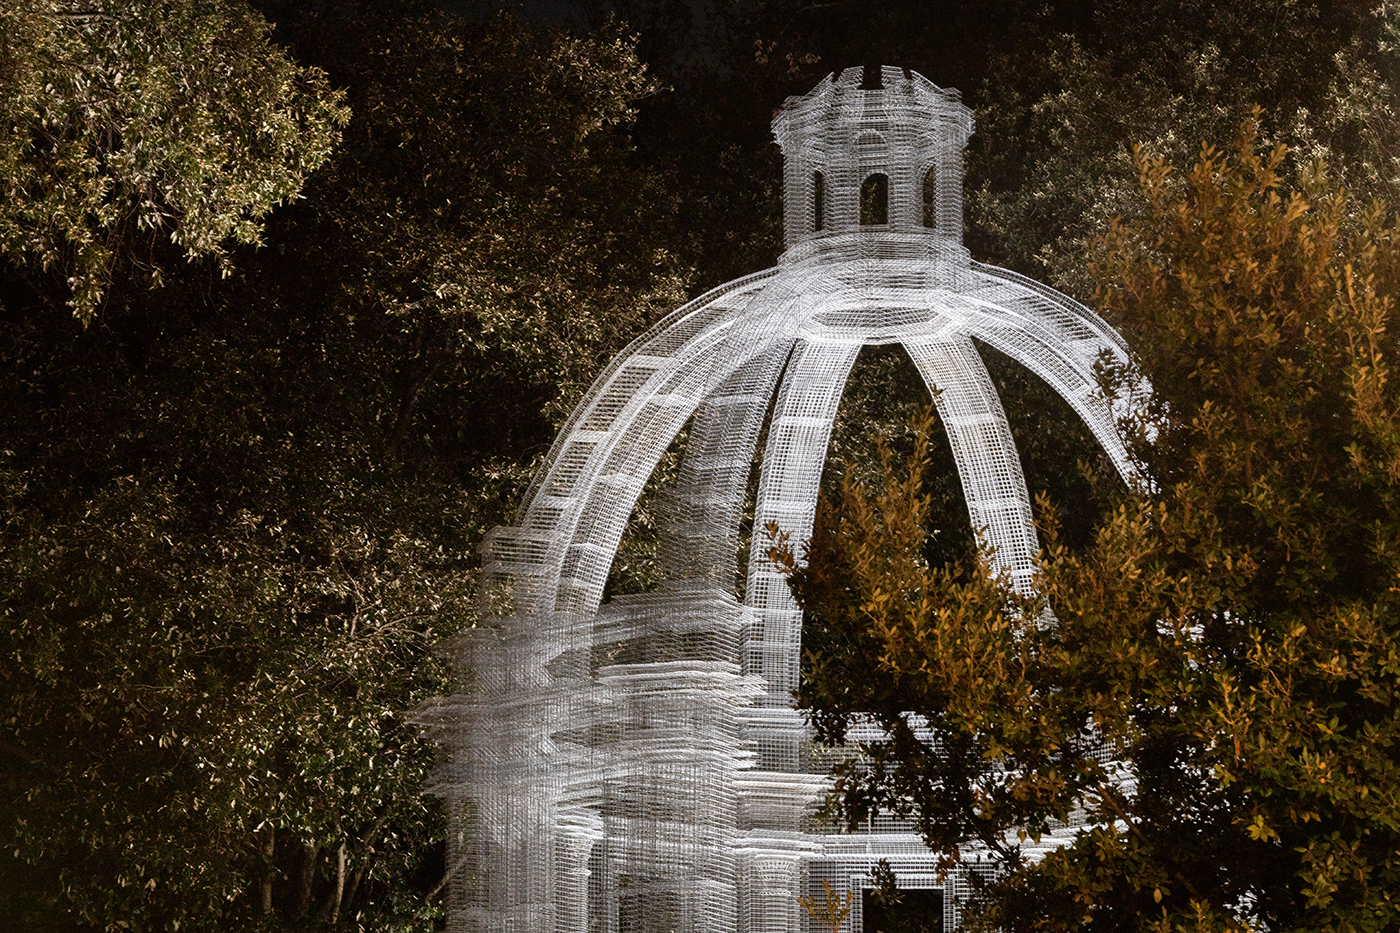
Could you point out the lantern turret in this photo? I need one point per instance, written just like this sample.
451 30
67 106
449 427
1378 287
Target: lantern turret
873 154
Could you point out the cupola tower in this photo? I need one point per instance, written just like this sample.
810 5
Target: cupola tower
873 151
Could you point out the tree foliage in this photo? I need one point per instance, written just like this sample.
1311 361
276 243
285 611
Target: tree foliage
1209 686
1053 165
239 512
128 123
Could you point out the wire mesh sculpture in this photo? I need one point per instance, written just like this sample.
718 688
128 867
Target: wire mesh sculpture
638 766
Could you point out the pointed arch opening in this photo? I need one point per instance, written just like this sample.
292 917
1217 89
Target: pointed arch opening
636 564
875 200
883 399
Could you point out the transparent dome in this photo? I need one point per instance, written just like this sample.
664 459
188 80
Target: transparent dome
638 766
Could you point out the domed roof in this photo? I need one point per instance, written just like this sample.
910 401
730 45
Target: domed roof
610 761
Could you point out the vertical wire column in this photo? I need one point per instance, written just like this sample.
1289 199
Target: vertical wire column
775 798
984 450
787 497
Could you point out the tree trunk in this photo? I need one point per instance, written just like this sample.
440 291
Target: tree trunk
354 885
339 882
268 848
366 855
308 876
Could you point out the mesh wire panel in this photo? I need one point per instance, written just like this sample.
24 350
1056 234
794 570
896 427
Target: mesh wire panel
638 766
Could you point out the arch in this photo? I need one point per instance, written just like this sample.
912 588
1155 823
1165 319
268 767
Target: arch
789 480
875 200
818 201
931 196
1060 341
989 466
553 561
699 521
674 336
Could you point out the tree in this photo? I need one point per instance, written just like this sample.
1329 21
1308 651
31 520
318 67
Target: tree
128 124
1208 686
1051 163
238 514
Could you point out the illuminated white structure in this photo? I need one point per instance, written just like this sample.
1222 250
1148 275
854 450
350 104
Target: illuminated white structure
638 766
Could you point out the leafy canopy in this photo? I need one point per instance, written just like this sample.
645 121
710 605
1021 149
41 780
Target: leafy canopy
1208 688
238 516
127 123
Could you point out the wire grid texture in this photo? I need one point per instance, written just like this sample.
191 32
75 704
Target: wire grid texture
638 766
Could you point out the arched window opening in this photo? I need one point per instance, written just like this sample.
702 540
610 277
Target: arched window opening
931 197
818 201
875 200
